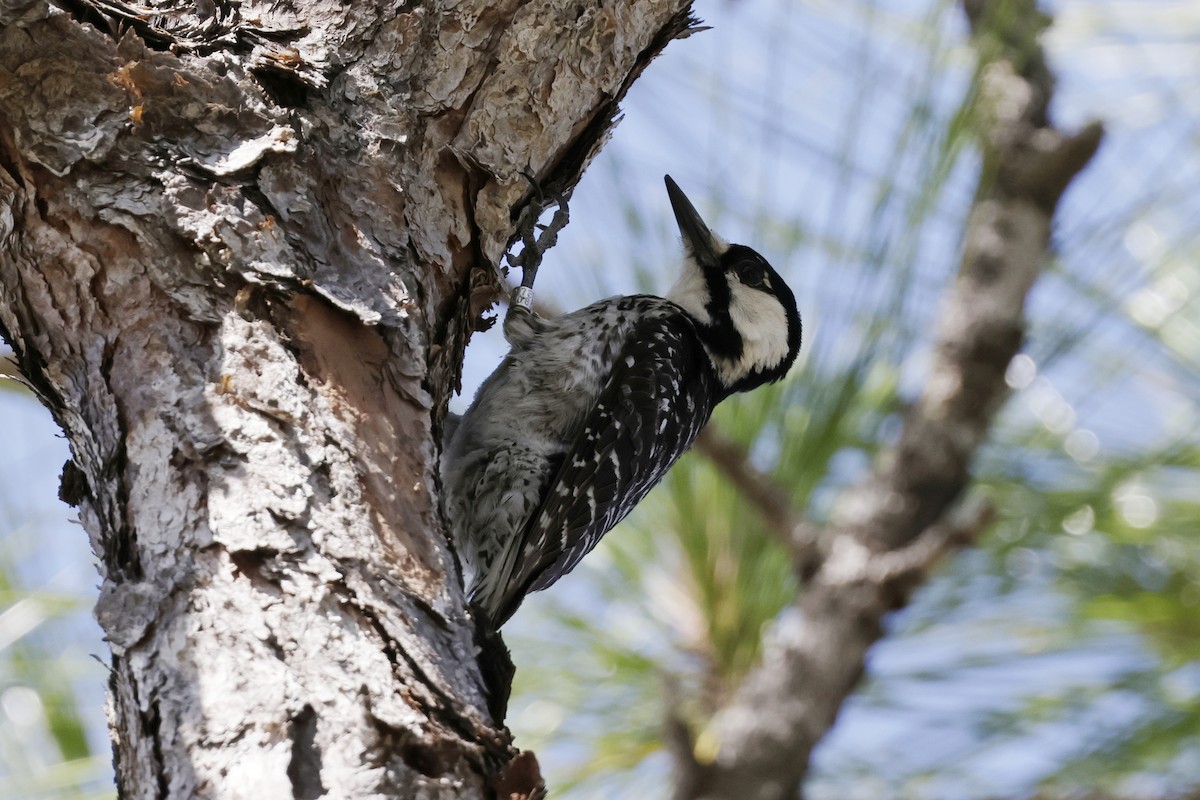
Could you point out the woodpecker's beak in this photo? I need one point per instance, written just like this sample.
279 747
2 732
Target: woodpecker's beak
697 238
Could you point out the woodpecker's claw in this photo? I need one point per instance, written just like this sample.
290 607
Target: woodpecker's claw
534 245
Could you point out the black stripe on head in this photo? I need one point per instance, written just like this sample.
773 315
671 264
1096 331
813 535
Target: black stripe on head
719 335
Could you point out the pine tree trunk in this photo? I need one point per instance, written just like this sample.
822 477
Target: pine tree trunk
241 250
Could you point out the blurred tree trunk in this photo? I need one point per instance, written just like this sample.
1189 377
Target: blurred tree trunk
242 247
887 533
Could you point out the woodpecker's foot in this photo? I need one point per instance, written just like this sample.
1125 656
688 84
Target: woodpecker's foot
521 324
534 244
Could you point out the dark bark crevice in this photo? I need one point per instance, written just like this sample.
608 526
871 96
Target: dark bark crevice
304 770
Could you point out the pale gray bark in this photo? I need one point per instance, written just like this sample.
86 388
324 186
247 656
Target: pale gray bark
241 250
890 530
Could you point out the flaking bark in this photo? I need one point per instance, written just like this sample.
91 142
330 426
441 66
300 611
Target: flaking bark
242 247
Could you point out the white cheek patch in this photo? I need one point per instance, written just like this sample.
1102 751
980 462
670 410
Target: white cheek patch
690 292
760 319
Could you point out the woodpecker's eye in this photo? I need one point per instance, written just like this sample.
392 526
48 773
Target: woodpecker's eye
752 274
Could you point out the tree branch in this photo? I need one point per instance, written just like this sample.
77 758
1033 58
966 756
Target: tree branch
756 486
800 536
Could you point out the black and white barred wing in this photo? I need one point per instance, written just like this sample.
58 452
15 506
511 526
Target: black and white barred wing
658 397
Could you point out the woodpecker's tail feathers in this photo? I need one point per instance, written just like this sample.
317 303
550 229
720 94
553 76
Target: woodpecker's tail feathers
495 667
